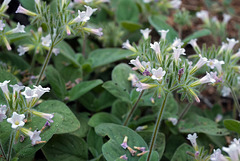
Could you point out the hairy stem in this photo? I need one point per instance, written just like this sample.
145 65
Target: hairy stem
10 146
2 151
185 110
157 125
45 64
132 110
235 98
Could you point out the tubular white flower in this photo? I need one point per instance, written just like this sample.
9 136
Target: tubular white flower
3 110
97 32
133 78
173 120
158 74
207 79
128 46
46 41
18 29
147 1
218 64
233 151
4 5
175 3
163 33
6 2
34 136
211 63
236 55
4 87
142 86
145 33
22 10
16 88
231 43
46 116
218 118
217 156
56 51
177 42
223 47
22 50
29 94
156 47
202 61
146 65
16 120
192 139
193 42
137 64
225 91
39 90
226 18
2 25
203 15
177 52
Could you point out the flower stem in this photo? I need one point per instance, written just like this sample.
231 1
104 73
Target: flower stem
45 64
185 110
10 146
2 150
132 110
157 125
235 98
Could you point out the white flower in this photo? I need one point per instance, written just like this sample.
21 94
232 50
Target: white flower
4 87
39 90
137 64
147 1
37 2
34 136
156 47
193 42
231 43
201 61
177 42
29 94
236 55
142 86
97 32
158 74
217 156
203 15
146 65
173 120
133 78
84 16
18 29
223 47
88 1
177 52
218 64
6 2
218 118
192 139
226 18
22 50
225 91
3 110
16 120
2 25
207 79
56 51
238 80
16 88
163 33
22 10
128 46
176 3
145 33
46 41
233 151
211 63
46 116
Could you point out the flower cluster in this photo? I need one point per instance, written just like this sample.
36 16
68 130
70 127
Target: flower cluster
19 106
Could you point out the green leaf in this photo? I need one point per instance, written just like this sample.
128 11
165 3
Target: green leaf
159 144
30 4
56 82
7 76
95 143
117 90
70 122
159 24
127 10
105 56
197 34
232 125
120 76
103 117
195 123
131 26
25 148
83 118
120 108
181 155
14 60
112 149
82 88
154 157
66 148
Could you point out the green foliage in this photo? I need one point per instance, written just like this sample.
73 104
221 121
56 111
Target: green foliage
180 154
66 147
232 125
103 117
197 34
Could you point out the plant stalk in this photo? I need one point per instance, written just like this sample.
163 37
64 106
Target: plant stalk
10 146
185 110
45 64
235 98
133 109
2 150
157 125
